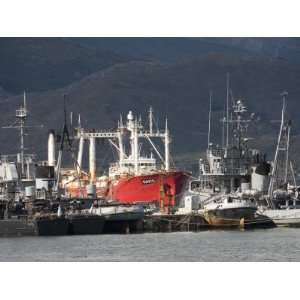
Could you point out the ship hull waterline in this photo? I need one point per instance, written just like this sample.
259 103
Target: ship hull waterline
237 218
163 188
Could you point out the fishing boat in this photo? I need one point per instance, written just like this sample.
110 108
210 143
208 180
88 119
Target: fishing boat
229 210
232 176
233 166
135 177
283 201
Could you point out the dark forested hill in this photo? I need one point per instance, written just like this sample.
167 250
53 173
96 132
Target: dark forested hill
179 90
37 64
175 49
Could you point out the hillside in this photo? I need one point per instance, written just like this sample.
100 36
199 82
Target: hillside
170 50
38 64
178 90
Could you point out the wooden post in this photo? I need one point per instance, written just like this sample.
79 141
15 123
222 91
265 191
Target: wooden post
242 223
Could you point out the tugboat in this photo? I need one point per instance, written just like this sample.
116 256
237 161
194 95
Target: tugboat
235 210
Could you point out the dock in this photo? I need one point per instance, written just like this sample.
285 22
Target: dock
16 227
173 223
153 223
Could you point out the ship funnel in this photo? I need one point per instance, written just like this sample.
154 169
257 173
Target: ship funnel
51 149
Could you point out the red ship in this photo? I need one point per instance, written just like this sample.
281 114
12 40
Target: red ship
134 178
163 188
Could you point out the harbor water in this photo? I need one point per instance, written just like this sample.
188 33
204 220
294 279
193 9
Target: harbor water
278 244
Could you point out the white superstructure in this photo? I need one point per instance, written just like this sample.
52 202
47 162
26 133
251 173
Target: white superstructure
130 161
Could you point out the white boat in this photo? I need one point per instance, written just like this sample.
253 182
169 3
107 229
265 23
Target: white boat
283 217
118 211
229 210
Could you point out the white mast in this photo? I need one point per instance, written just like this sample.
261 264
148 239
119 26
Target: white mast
80 147
227 110
275 162
136 147
293 173
223 128
22 124
130 127
287 153
79 121
80 154
71 118
209 119
151 120
121 147
120 138
51 149
24 100
167 150
92 159
21 116
121 120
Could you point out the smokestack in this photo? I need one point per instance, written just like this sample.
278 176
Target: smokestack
51 148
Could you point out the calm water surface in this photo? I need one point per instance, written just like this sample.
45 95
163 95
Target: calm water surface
279 244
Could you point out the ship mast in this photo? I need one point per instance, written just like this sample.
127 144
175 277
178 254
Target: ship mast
223 127
137 132
288 129
167 150
136 147
21 114
80 147
151 120
20 123
120 139
64 138
209 119
227 109
279 148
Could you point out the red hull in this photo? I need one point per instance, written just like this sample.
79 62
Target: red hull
164 188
